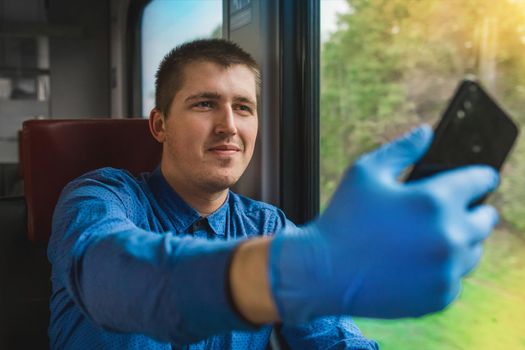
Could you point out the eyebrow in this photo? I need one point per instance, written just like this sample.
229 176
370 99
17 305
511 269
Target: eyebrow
244 99
204 95
216 96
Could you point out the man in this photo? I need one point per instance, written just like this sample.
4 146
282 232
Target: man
162 259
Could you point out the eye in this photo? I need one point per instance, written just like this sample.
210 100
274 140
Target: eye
244 109
203 105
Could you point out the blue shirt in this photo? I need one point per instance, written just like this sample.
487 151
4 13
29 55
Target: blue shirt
135 267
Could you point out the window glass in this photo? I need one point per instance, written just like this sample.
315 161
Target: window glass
387 66
168 23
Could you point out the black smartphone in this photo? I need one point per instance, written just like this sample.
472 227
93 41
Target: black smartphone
473 130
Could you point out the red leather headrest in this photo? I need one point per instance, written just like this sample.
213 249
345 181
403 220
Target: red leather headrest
58 151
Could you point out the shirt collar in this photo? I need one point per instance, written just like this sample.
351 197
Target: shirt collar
181 214
217 219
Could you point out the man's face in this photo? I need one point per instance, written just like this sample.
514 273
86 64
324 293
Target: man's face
211 127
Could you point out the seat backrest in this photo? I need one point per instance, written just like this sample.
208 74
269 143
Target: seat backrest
58 151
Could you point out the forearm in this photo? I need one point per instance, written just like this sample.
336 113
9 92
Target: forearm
169 288
251 294
130 280
249 284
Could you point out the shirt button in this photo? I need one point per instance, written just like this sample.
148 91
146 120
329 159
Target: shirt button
199 224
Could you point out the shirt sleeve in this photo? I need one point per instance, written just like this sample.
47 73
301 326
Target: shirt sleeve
126 279
330 332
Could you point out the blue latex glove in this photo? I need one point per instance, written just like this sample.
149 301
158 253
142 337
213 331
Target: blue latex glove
384 248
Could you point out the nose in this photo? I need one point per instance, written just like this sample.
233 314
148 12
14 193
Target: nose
225 124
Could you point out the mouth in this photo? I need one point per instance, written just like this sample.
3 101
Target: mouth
225 150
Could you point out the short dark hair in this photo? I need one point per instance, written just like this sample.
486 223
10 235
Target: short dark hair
169 77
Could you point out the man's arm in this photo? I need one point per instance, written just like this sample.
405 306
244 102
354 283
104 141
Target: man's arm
381 249
251 293
250 287
129 280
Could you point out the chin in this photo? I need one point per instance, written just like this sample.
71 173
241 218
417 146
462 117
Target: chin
220 183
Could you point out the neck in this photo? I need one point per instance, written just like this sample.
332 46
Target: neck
204 202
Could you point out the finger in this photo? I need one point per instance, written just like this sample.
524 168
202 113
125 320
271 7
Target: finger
471 259
394 157
452 294
465 184
482 220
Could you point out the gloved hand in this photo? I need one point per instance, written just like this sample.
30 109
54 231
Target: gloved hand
383 248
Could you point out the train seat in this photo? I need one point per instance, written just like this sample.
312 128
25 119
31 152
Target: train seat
53 153
58 151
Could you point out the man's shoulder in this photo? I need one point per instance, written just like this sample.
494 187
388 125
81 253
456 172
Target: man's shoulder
103 182
247 205
108 174
106 177
266 217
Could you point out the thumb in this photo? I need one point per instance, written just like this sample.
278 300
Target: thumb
395 156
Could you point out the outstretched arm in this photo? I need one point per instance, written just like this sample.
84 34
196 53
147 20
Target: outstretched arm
130 280
381 249
249 283
252 295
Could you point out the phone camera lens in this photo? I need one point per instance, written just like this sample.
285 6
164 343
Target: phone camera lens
461 114
476 149
467 104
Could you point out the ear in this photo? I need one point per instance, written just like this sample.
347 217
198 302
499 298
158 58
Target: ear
157 125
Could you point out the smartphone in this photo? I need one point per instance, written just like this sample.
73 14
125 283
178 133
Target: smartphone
473 130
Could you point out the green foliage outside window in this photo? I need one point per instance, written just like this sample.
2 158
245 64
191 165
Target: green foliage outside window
393 64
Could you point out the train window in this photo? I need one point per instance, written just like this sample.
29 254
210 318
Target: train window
166 24
387 66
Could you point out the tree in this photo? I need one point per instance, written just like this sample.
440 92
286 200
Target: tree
394 63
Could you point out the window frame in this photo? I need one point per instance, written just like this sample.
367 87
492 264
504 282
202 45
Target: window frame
134 54
300 65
